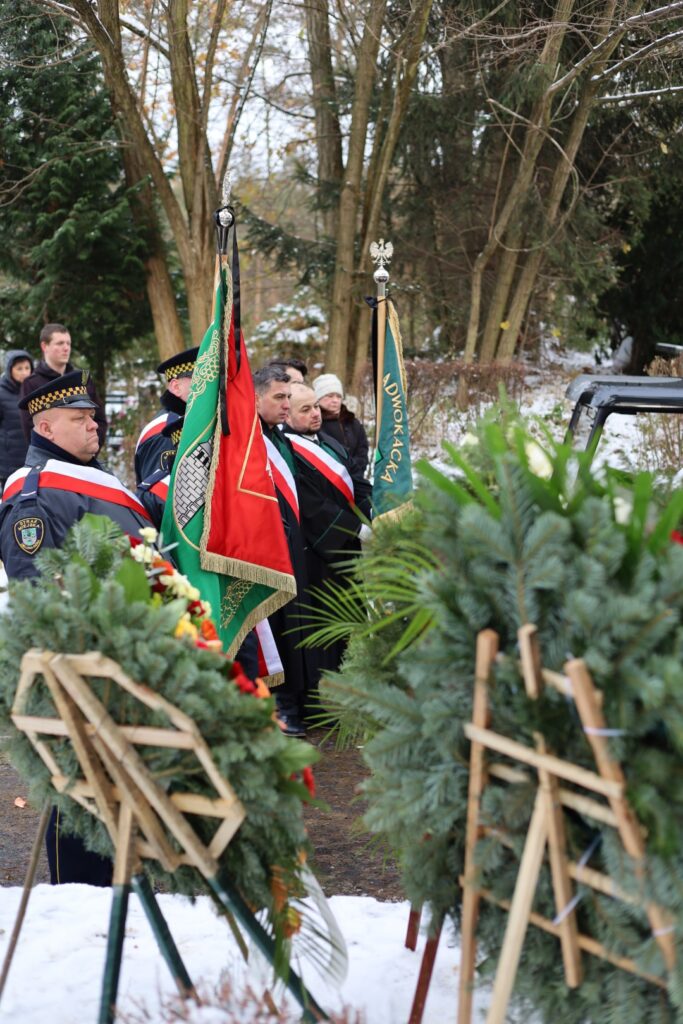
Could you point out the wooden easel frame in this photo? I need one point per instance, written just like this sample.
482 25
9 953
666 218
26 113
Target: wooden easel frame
142 820
546 829
545 832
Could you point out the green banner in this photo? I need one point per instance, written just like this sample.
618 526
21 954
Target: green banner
221 511
392 480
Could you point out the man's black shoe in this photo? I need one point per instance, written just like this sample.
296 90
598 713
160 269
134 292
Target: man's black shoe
291 724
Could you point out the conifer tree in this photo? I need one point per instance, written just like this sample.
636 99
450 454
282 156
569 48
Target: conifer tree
70 250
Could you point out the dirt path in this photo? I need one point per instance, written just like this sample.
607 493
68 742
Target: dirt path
343 861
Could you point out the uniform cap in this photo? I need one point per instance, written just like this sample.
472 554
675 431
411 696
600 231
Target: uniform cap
179 365
66 392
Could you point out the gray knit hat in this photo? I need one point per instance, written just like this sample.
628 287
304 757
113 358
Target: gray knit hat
327 384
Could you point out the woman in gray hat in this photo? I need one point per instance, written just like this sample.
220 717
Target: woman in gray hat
339 422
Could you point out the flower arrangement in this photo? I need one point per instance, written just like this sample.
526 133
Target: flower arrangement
103 591
167 584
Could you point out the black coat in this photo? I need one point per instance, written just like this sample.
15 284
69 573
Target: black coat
13 444
42 375
348 431
330 526
288 623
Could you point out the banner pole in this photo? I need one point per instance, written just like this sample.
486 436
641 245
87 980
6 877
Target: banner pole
380 253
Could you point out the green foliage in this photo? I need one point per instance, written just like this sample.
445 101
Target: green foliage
90 597
526 533
70 250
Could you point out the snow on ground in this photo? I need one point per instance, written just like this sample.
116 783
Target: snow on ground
57 970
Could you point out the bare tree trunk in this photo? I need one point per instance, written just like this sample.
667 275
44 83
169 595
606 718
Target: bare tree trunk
327 127
564 168
190 223
533 141
499 298
406 71
349 199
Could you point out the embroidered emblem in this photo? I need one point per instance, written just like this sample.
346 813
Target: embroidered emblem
166 459
29 534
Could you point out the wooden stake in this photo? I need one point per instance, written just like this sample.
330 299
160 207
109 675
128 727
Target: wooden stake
531 660
559 868
593 720
487 649
520 908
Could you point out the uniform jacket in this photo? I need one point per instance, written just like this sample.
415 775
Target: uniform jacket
153 492
42 501
13 444
154 451
42 375
349 432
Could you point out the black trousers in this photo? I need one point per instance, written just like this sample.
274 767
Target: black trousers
70 861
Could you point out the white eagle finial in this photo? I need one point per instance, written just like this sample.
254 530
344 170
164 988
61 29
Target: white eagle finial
381 252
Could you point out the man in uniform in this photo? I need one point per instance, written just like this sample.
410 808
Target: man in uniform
273 390
61 482
154 445
331 495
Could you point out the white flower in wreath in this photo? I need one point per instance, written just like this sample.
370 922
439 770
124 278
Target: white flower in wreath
142 554
469 440
539 463
148 534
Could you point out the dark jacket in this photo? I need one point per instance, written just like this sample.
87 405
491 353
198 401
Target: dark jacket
349 432
155 450
38 508
330 526
43 374
13 444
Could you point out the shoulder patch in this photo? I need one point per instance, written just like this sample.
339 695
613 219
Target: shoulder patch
29 534
166 459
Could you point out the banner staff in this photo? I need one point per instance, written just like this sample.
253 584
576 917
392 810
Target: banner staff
392 475
380 254
224 219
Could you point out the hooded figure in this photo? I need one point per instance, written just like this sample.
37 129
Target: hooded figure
13 443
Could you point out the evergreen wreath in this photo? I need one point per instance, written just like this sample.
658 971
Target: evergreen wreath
93 594
522 531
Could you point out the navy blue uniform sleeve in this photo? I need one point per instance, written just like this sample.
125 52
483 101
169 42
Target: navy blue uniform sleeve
153 504
156 453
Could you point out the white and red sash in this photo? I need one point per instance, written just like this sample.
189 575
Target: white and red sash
160 488
269 663
333 470
282 476
153 428
85 480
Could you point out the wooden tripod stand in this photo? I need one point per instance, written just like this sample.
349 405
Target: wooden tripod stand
545 835
142 819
